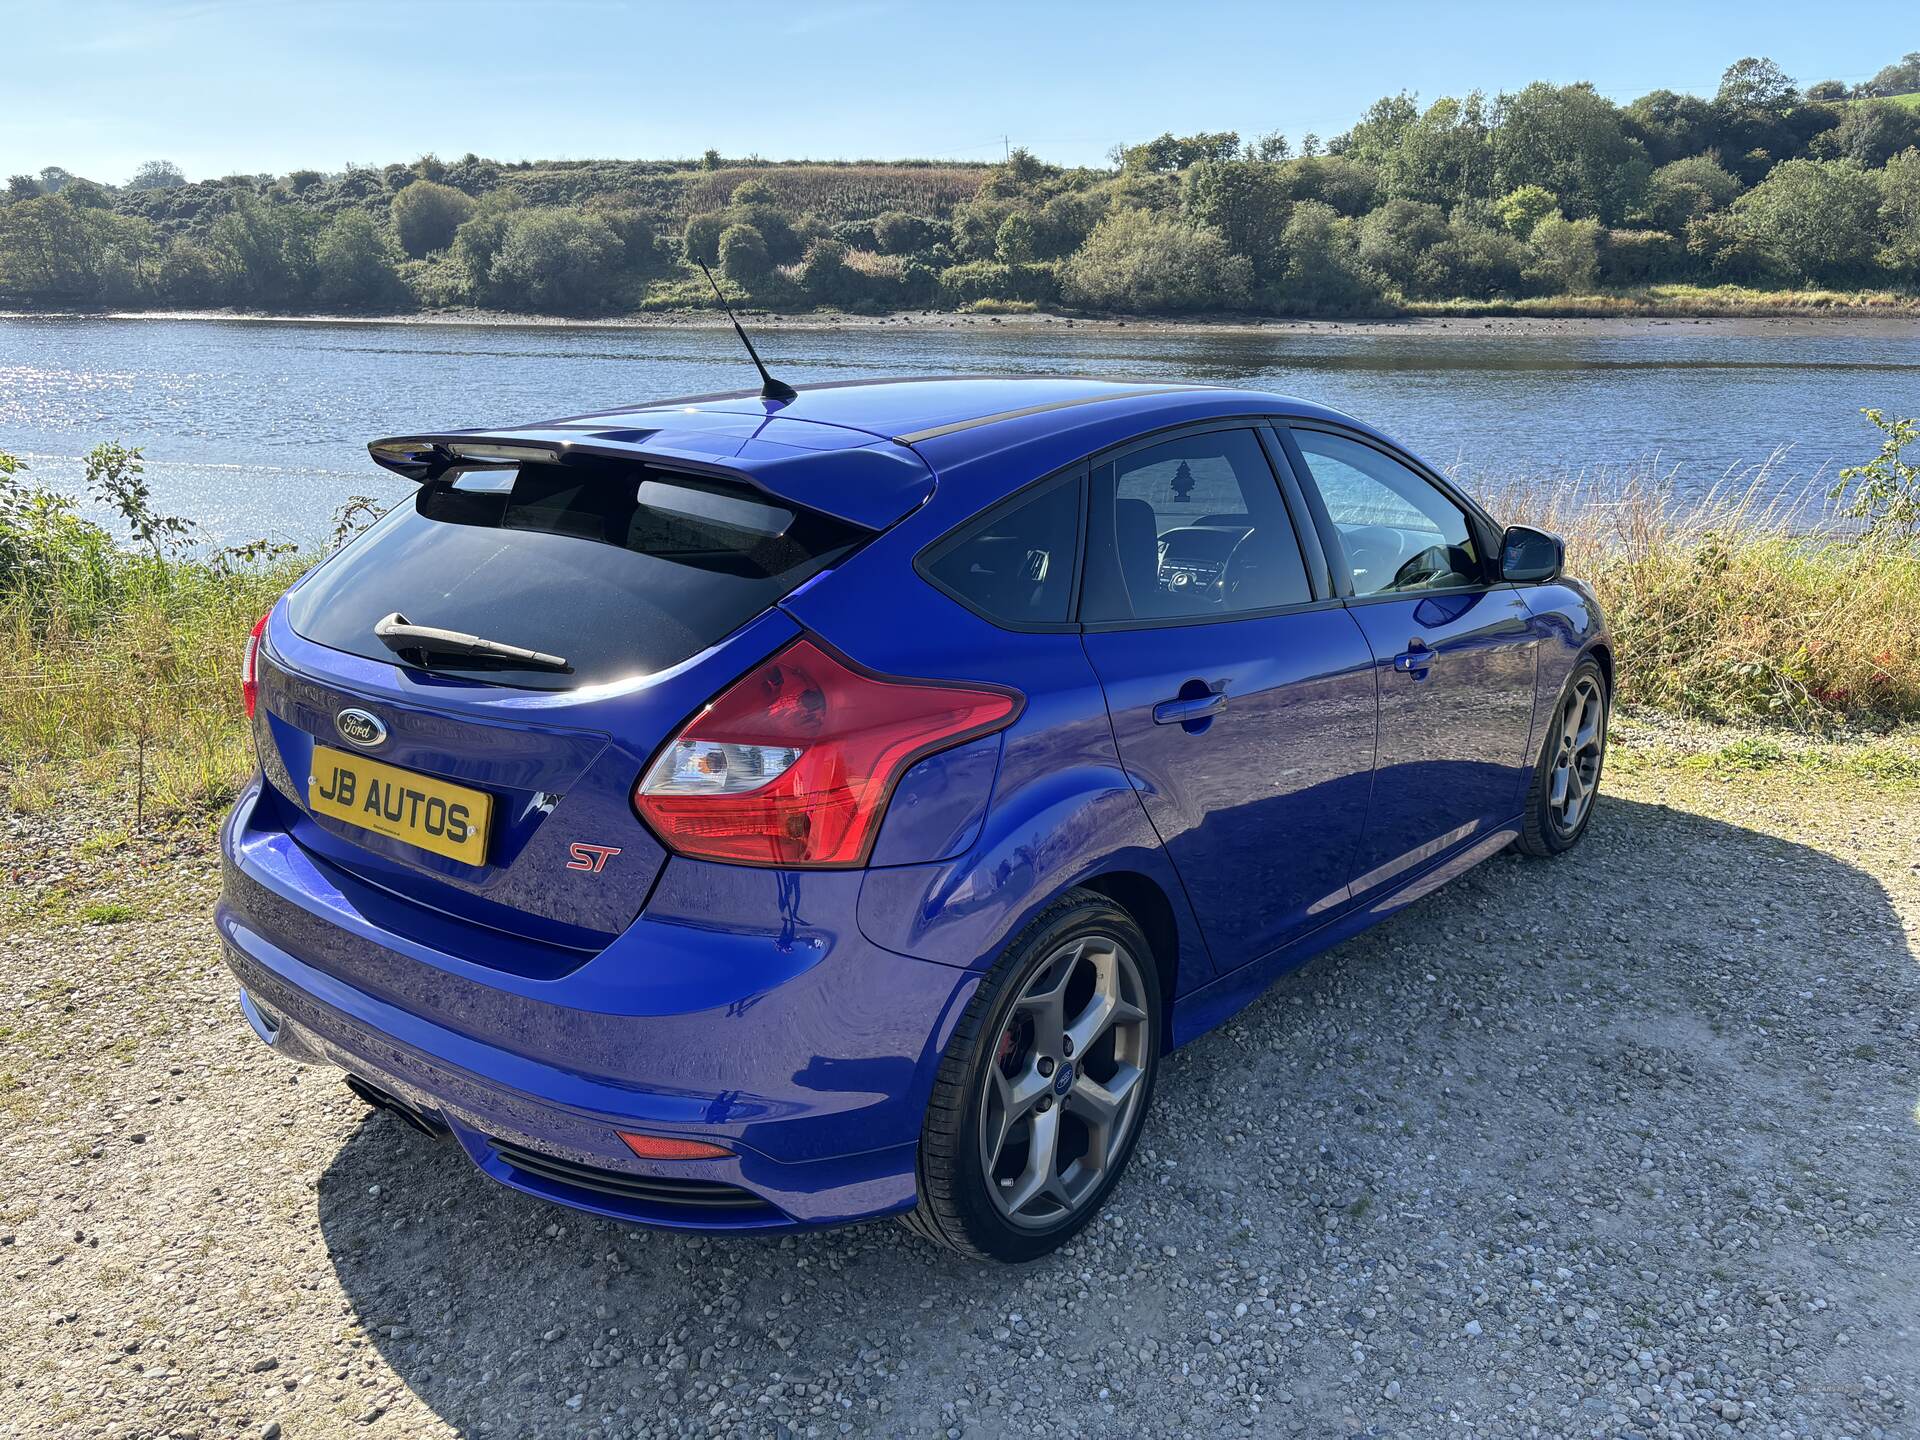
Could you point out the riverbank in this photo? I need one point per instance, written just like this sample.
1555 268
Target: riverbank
1725 310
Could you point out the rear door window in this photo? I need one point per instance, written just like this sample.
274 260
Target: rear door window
1193 528
621 569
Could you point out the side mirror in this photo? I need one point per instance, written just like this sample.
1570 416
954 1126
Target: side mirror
1531 557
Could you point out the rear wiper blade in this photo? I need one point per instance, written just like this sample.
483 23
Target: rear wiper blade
404 638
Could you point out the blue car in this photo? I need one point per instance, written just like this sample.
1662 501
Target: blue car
773 810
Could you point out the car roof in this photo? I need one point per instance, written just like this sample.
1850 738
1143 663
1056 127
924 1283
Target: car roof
865 450
914 410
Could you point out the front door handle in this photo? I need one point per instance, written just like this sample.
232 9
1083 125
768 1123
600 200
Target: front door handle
1415 660
1187 709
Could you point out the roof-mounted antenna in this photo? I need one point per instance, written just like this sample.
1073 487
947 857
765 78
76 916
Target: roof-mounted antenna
770 388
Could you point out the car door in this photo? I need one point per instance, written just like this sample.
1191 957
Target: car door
1452 648
1241 692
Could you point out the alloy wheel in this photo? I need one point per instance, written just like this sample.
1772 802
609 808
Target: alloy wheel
1578 747
1063 1086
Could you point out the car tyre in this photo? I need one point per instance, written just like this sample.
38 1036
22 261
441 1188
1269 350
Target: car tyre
1566 776
1044 1088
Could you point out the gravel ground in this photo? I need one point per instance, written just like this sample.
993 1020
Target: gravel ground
1623 1144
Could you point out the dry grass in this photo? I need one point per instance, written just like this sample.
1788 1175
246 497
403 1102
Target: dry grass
1750 602
1681 300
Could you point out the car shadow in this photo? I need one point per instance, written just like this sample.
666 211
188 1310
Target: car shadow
1569 1100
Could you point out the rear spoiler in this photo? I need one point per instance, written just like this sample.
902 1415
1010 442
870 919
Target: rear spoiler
867 483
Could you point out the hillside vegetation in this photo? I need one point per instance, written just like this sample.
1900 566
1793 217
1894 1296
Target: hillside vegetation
1550 196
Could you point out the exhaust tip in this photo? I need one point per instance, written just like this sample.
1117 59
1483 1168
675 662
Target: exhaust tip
431 1126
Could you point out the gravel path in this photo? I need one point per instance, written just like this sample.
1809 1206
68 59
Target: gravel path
1625 1144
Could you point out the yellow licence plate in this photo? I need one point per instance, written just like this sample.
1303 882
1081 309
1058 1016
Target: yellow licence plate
448 820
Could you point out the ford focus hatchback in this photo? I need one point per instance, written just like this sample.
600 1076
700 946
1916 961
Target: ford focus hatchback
774 810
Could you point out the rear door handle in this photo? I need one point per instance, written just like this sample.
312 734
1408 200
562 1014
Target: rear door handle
1415 660
1182 712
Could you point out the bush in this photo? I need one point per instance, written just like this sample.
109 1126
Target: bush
700 241
825 275
897 233
426 214
1397 241
1640 257
354 266
1137 261
1566 255
561 261
1475 262
743 256
1813 220
1324 270
1520 210
1687 190
991 280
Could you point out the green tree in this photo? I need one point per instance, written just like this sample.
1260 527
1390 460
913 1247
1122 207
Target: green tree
1688 189
1445 157
1378 135
1013 243
1872 132
1396 241
1246 202
1900 79
1754 86
743 256
354 264
1138 261
1566 255
1172 153
560 261
1814 220
1574 142
426 214
157 175
1324 271
1518 211
263 252
1900 215
1672 126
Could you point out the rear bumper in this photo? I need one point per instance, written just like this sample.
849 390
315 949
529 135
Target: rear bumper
745 1010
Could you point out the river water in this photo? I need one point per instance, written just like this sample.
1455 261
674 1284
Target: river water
260 427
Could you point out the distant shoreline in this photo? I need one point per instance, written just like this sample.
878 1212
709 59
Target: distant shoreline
1862 319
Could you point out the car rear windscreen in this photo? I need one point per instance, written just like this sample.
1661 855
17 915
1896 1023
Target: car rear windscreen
619 569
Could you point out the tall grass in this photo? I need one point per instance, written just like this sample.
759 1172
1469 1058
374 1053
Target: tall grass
120 674
1753 601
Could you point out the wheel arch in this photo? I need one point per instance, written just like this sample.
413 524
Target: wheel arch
1152 910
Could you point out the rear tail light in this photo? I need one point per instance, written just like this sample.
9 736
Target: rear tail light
250 667
793 763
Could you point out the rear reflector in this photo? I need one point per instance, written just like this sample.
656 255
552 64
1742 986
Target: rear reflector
658 1147
793 764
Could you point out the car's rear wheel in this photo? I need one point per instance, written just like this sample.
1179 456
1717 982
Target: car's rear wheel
1041 1096
1566 776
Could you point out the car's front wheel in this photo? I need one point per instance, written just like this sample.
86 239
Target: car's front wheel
1566 776
1044 1087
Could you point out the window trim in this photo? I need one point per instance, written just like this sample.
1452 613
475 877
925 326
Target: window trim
1256 424
941 546
1479 523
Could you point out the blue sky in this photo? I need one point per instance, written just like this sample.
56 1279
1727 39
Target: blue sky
224 87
